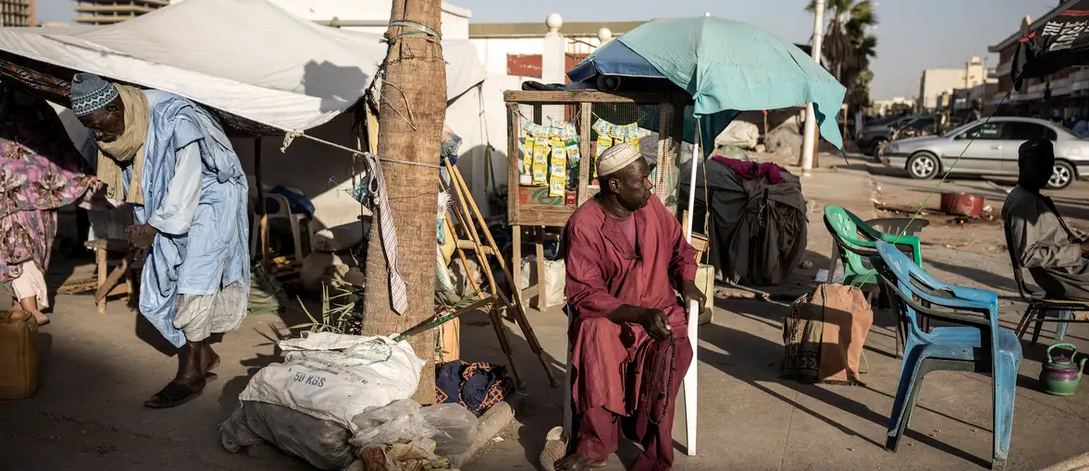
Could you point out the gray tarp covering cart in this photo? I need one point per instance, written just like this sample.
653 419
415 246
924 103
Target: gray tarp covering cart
758 229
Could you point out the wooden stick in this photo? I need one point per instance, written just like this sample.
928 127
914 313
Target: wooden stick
519 312
542 288
437 320
464 259
100 261
115 276
262 211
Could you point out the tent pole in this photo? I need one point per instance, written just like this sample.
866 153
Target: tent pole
261 210
810 136
690 386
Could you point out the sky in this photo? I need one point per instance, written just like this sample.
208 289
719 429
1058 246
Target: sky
912 35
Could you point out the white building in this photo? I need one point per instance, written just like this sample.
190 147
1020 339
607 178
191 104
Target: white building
518 48
882 107
935 82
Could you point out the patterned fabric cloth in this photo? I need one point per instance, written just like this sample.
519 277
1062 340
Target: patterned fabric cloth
477 386
40 171
398 289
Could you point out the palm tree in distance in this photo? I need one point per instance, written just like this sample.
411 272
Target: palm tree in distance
848 47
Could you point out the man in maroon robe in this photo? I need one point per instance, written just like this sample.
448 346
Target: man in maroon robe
626 259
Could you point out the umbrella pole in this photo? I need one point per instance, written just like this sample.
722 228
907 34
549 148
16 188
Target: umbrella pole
690 376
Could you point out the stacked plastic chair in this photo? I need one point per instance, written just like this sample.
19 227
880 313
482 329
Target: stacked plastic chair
977 344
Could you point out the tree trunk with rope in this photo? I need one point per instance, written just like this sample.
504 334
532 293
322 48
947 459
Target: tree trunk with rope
412 112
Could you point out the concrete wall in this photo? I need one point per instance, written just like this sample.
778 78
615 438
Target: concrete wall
494 51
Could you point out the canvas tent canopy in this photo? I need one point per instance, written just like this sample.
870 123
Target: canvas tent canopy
266 72
247 58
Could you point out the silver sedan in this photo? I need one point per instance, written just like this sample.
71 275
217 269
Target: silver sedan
989 147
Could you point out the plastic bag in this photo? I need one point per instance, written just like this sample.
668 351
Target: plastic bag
452 427
398 422
457 427
322 443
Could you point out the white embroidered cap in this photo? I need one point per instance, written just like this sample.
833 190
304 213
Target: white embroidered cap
615 158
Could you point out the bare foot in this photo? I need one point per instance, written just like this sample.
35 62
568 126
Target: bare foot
209 360
579 463
31 305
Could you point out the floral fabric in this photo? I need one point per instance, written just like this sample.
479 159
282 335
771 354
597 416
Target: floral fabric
40 171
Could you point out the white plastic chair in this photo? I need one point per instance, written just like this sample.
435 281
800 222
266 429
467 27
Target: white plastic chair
295 220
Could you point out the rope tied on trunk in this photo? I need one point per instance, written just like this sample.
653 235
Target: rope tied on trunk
414 27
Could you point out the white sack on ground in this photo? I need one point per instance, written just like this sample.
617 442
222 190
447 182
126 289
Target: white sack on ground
337 377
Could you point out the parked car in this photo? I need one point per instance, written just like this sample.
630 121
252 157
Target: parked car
989 148
874 136
918 127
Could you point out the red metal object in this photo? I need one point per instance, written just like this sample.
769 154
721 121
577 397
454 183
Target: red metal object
962 204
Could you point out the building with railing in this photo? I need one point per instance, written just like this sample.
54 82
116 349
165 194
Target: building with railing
15 13
108 12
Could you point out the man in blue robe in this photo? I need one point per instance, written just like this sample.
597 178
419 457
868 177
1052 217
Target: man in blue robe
171 160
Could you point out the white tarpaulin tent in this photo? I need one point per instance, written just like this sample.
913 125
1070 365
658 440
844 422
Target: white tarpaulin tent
256 61
249 58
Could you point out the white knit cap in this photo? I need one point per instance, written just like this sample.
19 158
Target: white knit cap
615 158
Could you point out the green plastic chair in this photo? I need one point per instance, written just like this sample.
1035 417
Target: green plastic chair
853 240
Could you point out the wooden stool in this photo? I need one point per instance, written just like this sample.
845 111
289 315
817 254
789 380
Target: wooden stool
120 280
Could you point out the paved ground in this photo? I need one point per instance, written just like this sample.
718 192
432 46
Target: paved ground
98 369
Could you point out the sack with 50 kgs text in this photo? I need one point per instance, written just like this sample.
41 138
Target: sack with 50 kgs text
336 377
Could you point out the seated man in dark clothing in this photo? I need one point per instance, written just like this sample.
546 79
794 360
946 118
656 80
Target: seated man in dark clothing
1039 238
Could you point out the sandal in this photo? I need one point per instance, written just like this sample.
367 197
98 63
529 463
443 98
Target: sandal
173 395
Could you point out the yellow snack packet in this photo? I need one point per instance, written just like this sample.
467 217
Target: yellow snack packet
556 188
525 177
540 160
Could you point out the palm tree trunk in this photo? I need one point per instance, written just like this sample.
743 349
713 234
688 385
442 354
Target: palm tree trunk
413 109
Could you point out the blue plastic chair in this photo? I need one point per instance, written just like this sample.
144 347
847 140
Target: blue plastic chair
980 346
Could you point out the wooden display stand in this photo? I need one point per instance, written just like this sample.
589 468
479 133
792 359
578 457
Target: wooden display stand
531 206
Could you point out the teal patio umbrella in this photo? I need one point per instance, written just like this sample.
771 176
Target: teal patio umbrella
725 66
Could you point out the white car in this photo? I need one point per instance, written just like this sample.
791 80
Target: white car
989 147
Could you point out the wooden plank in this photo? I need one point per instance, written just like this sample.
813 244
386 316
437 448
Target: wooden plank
516 263
262 210
560 97
514 159
118 291
111 281
110 245
542 288
100 261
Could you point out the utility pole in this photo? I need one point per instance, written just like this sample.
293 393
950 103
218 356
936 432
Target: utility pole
810 137
413 109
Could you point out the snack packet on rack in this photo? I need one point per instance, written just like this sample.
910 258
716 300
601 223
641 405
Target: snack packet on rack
540 160
558 165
